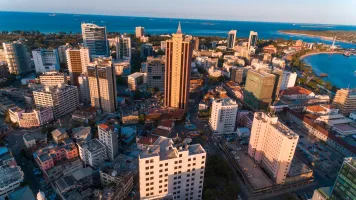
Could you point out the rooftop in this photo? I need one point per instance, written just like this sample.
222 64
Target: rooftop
298 168
82 173
22 193
136 75
93 145
297 90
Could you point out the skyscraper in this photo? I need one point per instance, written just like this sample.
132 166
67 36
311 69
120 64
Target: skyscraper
77 61
123 47
17 58
179 52
223 115
259 89
252 40
231 37
102 84
140 31
272 144
344 187
345 100
94 37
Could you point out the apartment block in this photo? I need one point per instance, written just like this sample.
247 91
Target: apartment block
345 101
167 169
108 135
136 79
77 61
272 145
288 80
31 118
231 37
155 72
46 60
62 53
84 90
344 187
92 153
52 78
223 115
122 67
140 31
17 58
123 47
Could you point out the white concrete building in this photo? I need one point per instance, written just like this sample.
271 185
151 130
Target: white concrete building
52 78
231 37
108 135
214 72
272 144
223 116
169 170
63 99
278 62
288 80
46 60
136 79
84 90
122 67
123 47
92 153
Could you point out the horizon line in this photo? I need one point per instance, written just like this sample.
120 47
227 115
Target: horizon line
308 23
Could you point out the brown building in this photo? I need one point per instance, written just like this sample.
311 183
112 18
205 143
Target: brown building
77 61
345 100
178 60
196 43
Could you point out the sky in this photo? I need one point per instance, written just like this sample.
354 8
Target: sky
296 11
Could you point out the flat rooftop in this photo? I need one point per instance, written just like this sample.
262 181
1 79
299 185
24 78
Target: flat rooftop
93 145
298 168
285 130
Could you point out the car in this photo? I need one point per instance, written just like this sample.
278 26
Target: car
237 158
249 175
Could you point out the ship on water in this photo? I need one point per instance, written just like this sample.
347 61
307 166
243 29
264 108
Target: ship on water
347 54
323 75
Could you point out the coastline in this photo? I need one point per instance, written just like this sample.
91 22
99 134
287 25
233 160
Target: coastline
315 36
316 53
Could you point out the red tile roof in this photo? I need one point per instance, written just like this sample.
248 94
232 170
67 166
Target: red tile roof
295 91
147 140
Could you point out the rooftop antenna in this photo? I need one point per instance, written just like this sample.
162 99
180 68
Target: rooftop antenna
179 30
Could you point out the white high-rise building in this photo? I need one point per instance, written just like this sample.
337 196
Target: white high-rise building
108 135
63 99
123 47
94 37
288 80
62 53
52 78
140 31
77 61
169 170
46 60
231 37
252 40
84 89
223 115
272 144
92 153
17 58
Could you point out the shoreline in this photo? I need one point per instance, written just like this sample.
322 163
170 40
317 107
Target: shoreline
317 53
315 36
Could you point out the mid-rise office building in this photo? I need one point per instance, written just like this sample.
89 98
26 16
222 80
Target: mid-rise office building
92 153
166 170
259 89
140 31
63 99
223 116
345 101
252 40
52 78
46 60
94 37
155 72
108 135
179 52
84 90
231 37
288 80
62 53
123 47
146 50
136 79
102 84
272 145
17 58
344 187
77 61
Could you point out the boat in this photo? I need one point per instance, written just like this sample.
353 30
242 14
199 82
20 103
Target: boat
52 15
323 75
355 72
347 54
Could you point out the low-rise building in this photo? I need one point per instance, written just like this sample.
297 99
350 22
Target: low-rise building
31 118
59 135
92 153
80 179
32 140
122 67
84 115
136 80
297 92
130 120
279 63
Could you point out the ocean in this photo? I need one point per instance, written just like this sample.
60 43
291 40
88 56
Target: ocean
341 69
45 23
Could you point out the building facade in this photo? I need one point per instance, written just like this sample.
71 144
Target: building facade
146 50
92 153
288 80
52 79
62 53
102 84
345 101
223 116
272 144
177 74
77 61
46 60
17 58
94 37
84 90
179 172
155 72
344 187
252 40
123 47
33 118
108 135
136 79
140 31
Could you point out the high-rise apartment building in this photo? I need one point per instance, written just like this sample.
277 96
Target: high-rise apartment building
155 72
272 145
63 99
17 58
77 61
140 31
345 100
259 89
52 78
179 52
108 134
231 37
46 60
123 47
62 53
288 80
344 187
169 170
102 84
94 37
84 91
252 40
223 116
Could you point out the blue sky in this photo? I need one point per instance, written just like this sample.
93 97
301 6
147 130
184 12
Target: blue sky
304 11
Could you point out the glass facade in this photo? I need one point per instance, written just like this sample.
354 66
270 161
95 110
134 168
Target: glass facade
345 184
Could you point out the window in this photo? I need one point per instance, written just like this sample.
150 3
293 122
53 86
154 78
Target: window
160 165
202 162
151 193
148 189
148 194
151 167
147 161
165 185
160 191
166 170
147 179
175 162
151 178
166 164
151 161
188 165
194 158
160 181
202 167
189 159
166 175
160 186
151 183
180 155
151 172
165 190
160 170
147 168
160 176
180 161
147 184
147 173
